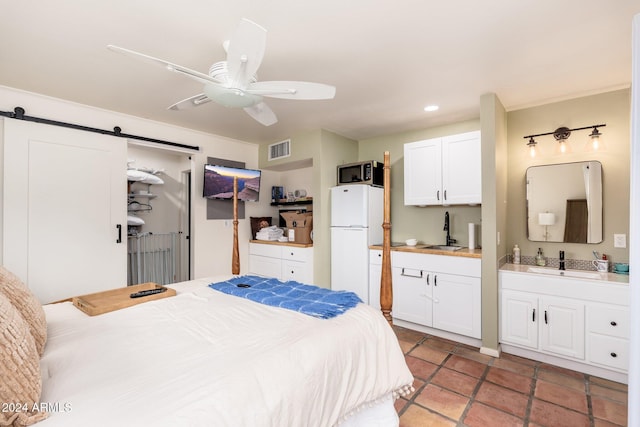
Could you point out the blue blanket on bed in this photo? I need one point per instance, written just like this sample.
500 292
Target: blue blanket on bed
311 300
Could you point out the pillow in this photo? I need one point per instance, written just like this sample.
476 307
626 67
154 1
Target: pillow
27 305
258 223
20 387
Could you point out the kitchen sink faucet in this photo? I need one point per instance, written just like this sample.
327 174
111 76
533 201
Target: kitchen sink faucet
447 227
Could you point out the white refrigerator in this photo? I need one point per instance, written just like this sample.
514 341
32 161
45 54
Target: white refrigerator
356 222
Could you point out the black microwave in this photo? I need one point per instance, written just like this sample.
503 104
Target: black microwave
366 172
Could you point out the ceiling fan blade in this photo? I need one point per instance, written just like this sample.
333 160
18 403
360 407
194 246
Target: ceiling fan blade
292 90
192 101
262 113
245 52
196 75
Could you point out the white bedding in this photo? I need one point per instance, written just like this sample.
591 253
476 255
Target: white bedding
204 358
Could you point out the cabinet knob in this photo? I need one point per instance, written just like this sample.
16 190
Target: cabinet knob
613 323
291 253
614 355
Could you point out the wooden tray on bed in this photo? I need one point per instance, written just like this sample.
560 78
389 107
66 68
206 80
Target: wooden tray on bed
115 299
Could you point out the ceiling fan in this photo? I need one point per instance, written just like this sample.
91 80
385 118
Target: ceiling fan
233 83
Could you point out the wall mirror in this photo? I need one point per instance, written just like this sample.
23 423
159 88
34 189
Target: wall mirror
564 202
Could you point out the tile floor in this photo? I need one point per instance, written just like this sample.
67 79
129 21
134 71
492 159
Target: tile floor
456 385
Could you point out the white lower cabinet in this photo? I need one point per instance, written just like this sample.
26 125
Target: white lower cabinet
439 291
583 322
554 325
375 274
412 296
456 304
283 262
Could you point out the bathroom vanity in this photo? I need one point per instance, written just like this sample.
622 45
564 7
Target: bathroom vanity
574 319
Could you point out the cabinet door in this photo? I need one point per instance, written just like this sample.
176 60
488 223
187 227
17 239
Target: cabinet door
519 318
265 266
562 329
456 304
65 207
412 296
375 273
461 169
423 172
297 270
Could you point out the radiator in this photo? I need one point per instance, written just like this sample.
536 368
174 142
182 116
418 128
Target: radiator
154 257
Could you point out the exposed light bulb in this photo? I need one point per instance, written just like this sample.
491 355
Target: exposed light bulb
595 139
532 147
563 147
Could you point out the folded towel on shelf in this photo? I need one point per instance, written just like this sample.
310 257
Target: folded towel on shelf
269 233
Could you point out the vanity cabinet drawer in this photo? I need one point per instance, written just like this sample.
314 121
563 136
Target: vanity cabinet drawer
607 320
609 351
273 251
297 254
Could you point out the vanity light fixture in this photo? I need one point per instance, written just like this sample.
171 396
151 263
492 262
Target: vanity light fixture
562 134
532 147
596 143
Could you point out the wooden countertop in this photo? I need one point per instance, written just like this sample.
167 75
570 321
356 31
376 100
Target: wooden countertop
421 249
275 242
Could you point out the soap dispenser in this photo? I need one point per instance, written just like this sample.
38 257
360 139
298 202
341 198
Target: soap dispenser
540 258
516 254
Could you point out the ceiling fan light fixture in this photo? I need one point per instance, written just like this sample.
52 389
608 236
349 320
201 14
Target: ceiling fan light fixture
230 97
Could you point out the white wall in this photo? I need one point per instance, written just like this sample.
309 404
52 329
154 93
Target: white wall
211 240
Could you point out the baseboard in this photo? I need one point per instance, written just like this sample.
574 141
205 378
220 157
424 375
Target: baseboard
490 351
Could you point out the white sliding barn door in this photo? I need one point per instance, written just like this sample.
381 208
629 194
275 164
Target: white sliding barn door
64 199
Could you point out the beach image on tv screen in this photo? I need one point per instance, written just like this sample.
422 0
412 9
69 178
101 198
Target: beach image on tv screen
218 182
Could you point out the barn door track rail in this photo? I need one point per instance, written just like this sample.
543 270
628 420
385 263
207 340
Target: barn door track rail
18 113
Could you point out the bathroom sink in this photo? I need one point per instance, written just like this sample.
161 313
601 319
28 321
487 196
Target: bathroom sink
565 273
444 247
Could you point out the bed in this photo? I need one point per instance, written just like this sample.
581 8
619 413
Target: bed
199 358
205 358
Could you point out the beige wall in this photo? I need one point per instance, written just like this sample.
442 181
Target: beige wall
494 212
318 152
612 108
423 223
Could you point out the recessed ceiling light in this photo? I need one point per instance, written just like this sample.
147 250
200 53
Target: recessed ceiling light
430 108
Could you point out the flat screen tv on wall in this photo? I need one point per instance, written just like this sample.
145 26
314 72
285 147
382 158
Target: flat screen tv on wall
218 183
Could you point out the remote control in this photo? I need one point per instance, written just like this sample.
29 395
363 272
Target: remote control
147 292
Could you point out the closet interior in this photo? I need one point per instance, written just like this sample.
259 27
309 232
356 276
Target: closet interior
158 210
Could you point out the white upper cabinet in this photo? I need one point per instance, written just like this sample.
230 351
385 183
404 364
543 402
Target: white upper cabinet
443 171
423 172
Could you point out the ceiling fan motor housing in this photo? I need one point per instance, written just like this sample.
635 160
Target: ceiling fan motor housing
226 94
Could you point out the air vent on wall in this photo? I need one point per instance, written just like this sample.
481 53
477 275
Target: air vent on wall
280 150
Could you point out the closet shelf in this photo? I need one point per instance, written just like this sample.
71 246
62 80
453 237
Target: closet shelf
143 196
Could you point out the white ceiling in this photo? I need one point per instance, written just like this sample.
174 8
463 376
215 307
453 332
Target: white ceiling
387 59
